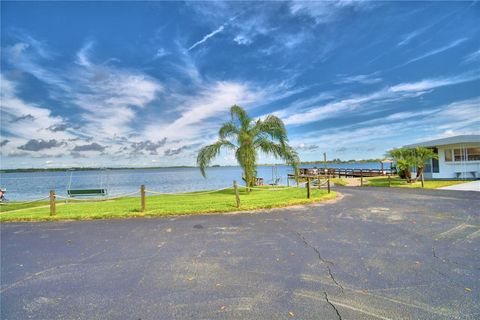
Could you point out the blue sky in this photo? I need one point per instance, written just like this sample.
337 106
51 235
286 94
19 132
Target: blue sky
149 83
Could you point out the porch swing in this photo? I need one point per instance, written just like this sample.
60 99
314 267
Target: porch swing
102 191
275 177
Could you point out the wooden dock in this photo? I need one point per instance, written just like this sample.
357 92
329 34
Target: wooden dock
337 172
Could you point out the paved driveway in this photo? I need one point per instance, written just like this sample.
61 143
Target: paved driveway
375 254
468 186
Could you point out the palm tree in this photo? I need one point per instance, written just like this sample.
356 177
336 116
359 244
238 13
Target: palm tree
423 155
246 136
408 158
404 161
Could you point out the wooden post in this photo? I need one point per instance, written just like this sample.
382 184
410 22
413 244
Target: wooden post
389 182
53 210
328 185
237 196
423 181
308 188
361 177
142 198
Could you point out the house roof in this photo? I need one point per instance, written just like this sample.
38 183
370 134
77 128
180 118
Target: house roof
446 141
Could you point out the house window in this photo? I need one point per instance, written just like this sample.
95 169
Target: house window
467 154
448 155
457 155
473 154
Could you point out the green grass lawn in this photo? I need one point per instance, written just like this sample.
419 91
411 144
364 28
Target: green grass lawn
397 182
162 205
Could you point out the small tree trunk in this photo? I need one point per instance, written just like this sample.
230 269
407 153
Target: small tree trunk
420 171
408 176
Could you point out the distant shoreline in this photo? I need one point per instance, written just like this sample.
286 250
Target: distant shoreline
20 170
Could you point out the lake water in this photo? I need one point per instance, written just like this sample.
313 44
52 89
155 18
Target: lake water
34 185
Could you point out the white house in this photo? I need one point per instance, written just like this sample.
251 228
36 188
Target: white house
458 157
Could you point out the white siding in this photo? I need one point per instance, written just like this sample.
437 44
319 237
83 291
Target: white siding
448 170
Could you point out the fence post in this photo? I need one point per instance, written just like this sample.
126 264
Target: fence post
389 183
53 210
328 185
361 177
423 181
237 196
308 188
142 198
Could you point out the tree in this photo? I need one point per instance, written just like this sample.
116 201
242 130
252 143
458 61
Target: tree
245 137
423 155
408 158
404 161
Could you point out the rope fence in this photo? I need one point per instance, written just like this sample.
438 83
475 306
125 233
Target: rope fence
143 192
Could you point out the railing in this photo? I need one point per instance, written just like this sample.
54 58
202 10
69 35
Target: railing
339 172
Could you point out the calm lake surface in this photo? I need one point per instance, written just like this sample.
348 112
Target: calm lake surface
34 185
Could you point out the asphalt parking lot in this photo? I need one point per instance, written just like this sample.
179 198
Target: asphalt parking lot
374 254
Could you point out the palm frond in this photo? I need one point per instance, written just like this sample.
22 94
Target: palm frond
271 126
278 150
238 113
228 130
269 147
208 153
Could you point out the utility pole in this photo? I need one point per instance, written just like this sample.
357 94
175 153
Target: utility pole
325 160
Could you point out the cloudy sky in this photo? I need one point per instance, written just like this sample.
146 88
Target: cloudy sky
147 84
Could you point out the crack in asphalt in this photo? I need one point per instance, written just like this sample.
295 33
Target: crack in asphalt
433 252
313 248
332 305
333 278
328 263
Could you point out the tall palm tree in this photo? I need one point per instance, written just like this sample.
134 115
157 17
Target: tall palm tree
246 136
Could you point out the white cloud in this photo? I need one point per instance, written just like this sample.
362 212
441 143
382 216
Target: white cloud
361 78
242 40
451 45
474 56
208 36
387 132
107 97
428 84
410 36
40 119
198 111
162 52
83 53
326 11
296 114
